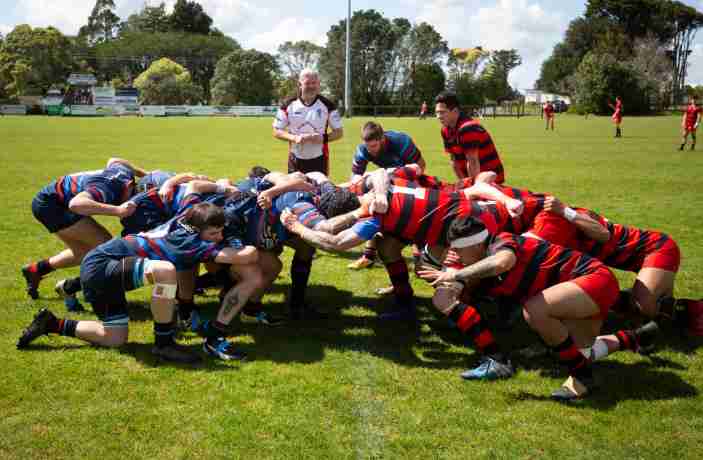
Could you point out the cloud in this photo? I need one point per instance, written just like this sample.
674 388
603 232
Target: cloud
289 29
695 66
526 26
68 17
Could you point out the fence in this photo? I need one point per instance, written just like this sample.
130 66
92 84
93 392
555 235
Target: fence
513 109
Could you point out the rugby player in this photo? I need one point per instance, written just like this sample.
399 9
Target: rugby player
617 115
548 110
122 265
387 149
468 144
654 256
65 207
689 123
565 297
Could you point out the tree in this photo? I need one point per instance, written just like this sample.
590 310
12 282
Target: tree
190 17
153 19
134 51
32 60
167 83
427 81
374 39
495 74
686 22
420 46
296 56
601 77
651 63
102 24
246 77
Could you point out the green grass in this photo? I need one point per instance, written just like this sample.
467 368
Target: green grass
352 388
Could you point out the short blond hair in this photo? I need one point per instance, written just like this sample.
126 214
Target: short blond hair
308 73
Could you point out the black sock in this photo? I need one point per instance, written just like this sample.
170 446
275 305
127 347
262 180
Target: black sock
213 329
163 334
468 320
185 308
43 267
569 355
299 274
402 291
252 308
72 285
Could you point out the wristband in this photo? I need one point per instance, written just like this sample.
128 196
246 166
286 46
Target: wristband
569 214
221 189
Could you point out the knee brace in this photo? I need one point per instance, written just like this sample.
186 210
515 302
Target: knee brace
164 291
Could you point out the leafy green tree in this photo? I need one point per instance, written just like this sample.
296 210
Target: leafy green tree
601 77
245 77
190 17
134 51
32 60
374 39
420 48
103 23
153 19
296 56
495 74
167 83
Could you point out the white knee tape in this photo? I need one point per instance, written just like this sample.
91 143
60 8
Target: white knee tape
164 291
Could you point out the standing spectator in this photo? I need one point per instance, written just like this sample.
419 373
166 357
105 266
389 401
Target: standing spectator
423 110
468 144
303 122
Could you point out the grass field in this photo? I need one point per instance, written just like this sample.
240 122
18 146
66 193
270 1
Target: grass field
351 387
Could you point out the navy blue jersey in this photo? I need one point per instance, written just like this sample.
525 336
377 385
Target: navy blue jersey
397 149
263 228
154 179
253 185
113 185
173 241
153 211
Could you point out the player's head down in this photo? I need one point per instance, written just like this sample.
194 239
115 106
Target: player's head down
467 237
337 201
208 219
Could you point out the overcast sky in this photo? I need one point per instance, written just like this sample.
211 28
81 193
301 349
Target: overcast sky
533 27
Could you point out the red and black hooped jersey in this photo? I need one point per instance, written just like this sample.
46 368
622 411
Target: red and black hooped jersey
627 247
467 136
424 215
533 205
539 266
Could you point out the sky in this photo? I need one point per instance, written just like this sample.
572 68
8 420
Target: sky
532 27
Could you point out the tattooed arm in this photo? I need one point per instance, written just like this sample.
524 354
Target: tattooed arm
325 241
491 266
338 223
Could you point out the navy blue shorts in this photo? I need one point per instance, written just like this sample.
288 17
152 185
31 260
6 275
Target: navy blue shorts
52 214
319 164
105 280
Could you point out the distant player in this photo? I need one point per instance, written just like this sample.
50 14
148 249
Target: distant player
386 150
617 115
304 122
689 123
423 110
548 110
470 147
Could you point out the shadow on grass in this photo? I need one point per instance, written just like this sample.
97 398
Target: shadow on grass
351 325
141 352
621 382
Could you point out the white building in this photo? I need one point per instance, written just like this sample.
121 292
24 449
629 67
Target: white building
540 97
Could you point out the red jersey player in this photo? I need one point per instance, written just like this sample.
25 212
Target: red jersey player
469 145
565 297
617 115
690 122
549 115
